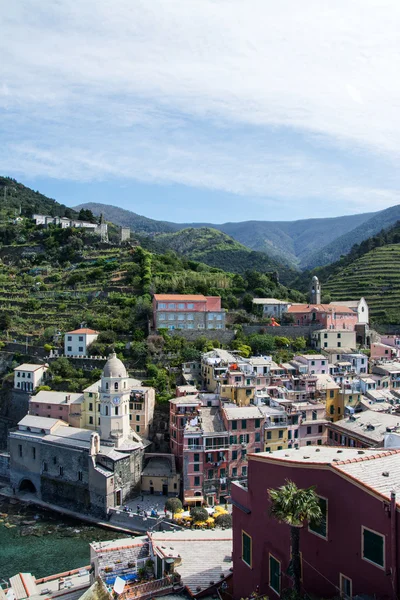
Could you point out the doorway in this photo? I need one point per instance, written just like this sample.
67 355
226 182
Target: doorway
151 489
118 498
165 489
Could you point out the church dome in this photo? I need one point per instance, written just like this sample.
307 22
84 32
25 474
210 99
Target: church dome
114 367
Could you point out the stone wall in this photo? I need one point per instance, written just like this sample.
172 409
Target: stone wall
225 336
291 331
4 466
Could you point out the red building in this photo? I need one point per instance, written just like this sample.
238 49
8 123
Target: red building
354 550
186 311
330 316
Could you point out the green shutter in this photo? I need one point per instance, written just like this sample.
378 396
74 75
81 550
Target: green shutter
246 548
373 547
274 574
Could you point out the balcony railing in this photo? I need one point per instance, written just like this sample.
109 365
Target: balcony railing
143 590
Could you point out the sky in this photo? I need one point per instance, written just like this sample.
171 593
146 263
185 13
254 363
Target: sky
204 110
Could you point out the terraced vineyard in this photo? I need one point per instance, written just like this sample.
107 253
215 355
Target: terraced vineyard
376 276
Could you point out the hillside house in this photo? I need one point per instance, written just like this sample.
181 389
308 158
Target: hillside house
333 338
65 406
76 342
272 307
28 377
360 307
366 429
380 351
185 311
350 553
329 316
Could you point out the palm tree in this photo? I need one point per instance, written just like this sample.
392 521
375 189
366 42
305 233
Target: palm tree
293 506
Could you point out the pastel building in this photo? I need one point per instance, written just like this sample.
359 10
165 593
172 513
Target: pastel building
64 406
28 377
351 553
76 342
333 338
360 307
315 363
185 311
328 316
272 307
380 351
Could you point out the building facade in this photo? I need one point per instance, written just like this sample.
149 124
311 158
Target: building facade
185 311
28 377
76 342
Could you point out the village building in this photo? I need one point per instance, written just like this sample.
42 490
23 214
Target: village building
185 311
27 377
333 338
65 223
365 429
328 316
360 307
380 351
391 370
350 553
76 342
272 307
159 475
66 406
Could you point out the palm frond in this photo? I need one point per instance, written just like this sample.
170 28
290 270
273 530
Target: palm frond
293 505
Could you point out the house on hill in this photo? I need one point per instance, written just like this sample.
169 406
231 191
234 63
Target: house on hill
328 316
187 311
76 342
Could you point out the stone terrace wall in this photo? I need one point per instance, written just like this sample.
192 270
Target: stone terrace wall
222 335
4 466
291 331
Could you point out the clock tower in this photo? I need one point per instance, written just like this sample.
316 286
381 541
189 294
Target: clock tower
114 402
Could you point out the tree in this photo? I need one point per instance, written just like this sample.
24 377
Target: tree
5 321
224 521
198 514
293 506
173 505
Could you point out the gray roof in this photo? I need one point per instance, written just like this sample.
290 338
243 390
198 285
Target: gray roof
206 555
70 436
381 474
114 367
50 397
270 301
188 399
319 454
361 424
211 421
29 367
158 466
39 422
242 412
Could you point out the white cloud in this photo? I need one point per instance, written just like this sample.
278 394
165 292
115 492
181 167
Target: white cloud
261 98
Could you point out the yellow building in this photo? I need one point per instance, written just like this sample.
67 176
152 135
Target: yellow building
159 476
329 392
275 429
242 395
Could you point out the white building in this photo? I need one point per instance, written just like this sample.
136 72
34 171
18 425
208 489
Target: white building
358 361
333 338
76 342
272 307
28 377
114 401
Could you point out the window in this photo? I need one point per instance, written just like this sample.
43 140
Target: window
210 474
339 344
181 317
244 438
69 338
320 428
234 472
244 424
90 420
314 415
54 460
196 457
280 434
244 471
69 348
34 453
137 428
196 467
61 471
257 437
80 338
106 411
234 454
373 547
80 348
244 452
80 476
197 480
267 449
171 317
137 417
234 424
20 450
190 306
171 305
296 433
274 574
44 467
308 430
161 305
233 439
339 335
90 406
346 585
181 305
246 549
321 528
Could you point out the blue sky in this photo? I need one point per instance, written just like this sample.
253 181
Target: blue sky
207 110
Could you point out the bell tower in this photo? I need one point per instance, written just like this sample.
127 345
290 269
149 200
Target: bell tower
114 402
315 291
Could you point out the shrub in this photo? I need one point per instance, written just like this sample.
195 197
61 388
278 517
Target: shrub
224 521
173 505
198 514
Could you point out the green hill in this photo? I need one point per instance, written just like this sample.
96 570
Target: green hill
289 242
217 249
15 196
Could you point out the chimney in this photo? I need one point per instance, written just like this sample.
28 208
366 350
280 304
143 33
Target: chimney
94 444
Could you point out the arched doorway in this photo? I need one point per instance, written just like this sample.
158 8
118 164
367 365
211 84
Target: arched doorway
26 485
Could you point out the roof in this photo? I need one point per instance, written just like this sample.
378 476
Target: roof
114 367
206 555
211 421
349 303
51 397
39 422
325 381
369 424
188 399
70 436
270 301
321 454
84 330
322 308
29 367
218 354
391 367
312 356
242 412
182 297
158 466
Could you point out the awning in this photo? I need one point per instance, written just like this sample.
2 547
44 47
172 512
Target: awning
193 499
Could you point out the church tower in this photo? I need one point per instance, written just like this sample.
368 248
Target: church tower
114 402
315 291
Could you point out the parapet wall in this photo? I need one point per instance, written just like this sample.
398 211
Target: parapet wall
290 331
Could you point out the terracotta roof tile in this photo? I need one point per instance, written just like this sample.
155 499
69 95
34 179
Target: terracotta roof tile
84 330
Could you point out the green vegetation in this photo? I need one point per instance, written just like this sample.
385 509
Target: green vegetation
173 505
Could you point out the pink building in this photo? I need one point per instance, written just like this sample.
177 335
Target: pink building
58 405
352 552
381 351
329 316
316 363
185 311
